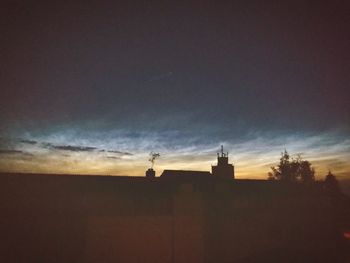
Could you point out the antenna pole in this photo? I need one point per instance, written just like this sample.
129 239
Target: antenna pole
153 157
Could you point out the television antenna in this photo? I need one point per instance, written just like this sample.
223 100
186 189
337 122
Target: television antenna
153 157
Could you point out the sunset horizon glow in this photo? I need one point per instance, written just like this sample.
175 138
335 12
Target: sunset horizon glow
120 152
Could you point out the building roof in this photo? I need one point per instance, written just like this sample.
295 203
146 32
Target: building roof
185 174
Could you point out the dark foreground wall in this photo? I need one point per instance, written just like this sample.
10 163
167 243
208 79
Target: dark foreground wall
48 218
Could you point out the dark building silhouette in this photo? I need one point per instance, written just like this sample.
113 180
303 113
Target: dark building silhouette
184 174
223 169
150 173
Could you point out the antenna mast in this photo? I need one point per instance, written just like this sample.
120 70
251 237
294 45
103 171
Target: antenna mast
222 152
152 158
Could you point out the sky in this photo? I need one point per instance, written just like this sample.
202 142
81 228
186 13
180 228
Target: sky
93 88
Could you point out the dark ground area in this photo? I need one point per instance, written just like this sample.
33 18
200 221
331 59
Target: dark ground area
56 218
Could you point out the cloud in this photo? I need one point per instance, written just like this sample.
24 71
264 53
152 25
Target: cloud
35 145
73 148
10 152
29 141
76 148
16 154
121 153
113 157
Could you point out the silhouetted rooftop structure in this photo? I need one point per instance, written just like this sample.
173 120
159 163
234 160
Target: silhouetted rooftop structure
223 169
150 173
185 174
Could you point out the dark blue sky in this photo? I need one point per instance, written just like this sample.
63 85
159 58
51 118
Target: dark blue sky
220 71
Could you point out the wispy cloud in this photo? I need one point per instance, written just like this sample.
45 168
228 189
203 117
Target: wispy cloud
29 141
10 152
73 148
121 153
113 157
8 155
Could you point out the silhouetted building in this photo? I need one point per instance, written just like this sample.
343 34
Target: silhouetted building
184 174
150 173
223 169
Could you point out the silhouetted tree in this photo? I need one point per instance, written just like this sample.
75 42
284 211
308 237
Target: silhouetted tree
292 170
331 184
271 177
306 173
282 170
